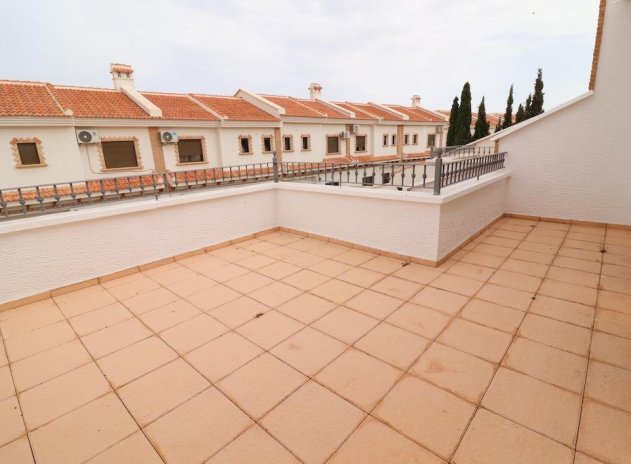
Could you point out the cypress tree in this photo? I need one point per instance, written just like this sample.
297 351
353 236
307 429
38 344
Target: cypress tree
537 98
463 121
482 125
528 107
508 115
520 115
499 124
451 132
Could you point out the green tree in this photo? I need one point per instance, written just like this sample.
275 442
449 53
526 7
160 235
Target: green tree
536 107
482 125
498 127
528 107
451 132
520 115
463 121
508 115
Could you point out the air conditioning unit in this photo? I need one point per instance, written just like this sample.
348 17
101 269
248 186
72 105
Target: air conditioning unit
168 137
354 129
345 135
87 136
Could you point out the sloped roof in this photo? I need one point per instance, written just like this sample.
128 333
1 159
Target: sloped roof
293 108
98 103
27 99
235 108
359 113
417 114
179 107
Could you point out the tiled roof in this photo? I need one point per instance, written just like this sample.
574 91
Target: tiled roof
383 114
323 109
492 118
27 99
234 108
417 114
179 107
359 113
292 107
98 103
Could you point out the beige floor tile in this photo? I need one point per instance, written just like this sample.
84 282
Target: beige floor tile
312 422
254 445
62 394
534 404
223 355
239 311
563 310
193 333
445 416
225 273
376 443
354 257
623 272
231 253
156 393
306 308
305 244
457 284
249 282
418 273
397 288
374 304
12 426
213 297
81 301
475 339
298 258
586 279
508 234
609 384
577 264
275 294
557 334
418 319
282 238
197 429
150 300
203 263
17 452
615 301
516 280
278 270
382 264
583 459
31 320
505 296
492 315
123 280
491 439
329 250
345 324
330 268
133 289
83 433
261 384
190 285
359 378
560 368
582 244
445 302
613 323
309 350
501 241
336 291
38 340
135 361
611 349
605 433
482 259
525 267
167 316
116 337
170 273
455 371
6 383
49 364
500 251
360 276
306 279
393 345
270 329
588 255
133 449
30 309
101 318
471 271
619 260
256 262
538 247
532 256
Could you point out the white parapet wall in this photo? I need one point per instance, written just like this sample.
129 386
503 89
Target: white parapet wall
56 250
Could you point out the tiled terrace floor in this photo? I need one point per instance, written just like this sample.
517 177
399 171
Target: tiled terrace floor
284 350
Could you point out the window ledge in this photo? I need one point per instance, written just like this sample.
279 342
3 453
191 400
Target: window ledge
192 162
131 168
39 165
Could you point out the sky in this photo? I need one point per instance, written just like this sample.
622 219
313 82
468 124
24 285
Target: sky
358 50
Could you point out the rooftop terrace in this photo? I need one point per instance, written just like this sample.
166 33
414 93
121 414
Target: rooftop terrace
288 349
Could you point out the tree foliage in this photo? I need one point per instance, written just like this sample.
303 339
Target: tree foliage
508 114
463 121
453 115
482 125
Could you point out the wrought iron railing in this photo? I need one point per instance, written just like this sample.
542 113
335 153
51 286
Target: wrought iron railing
461 151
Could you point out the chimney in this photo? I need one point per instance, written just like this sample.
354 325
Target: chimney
122 76
416 101
315 91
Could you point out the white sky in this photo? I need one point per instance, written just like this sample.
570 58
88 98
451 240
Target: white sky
359 50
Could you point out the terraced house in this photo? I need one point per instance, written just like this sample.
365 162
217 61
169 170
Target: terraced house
53 133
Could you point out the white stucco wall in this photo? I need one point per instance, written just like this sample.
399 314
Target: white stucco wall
211 147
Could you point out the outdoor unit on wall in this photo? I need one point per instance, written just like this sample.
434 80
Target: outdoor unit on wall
87 136
345 134
168 137
354 129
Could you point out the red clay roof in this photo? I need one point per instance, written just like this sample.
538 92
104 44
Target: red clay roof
27 99
372 109
492 118
293 107
234 108
98 103
417 114
179 107
323 109
359 113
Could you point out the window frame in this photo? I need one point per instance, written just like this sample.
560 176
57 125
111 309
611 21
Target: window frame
202 142
386 139
306 137
250 148
434 140
15 142
104 168
406 139
393 140
289 137
415 138
339 145
271 144
365 136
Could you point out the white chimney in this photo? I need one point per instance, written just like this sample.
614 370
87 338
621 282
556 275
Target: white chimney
416 101
122 76
315 91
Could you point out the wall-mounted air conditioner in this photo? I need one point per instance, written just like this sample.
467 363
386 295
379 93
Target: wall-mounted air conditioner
87 136
345 135
354 129
168 137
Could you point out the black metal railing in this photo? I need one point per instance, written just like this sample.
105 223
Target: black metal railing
461 151
452 172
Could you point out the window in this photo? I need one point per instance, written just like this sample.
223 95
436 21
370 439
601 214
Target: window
332 144
306 142
360 143
431 140
288 143
267 144
190 151
394 139
385 140
29 155
119 154
406 139
415 139
245 145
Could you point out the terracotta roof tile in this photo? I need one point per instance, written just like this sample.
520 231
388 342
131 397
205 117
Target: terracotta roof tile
27 99
98 103
359 113
417 114
372 109
179 107
234 108
293 108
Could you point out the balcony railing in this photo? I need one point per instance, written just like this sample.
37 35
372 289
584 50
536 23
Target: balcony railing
62 196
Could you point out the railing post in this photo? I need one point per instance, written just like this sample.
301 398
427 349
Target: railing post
438 167
275 166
